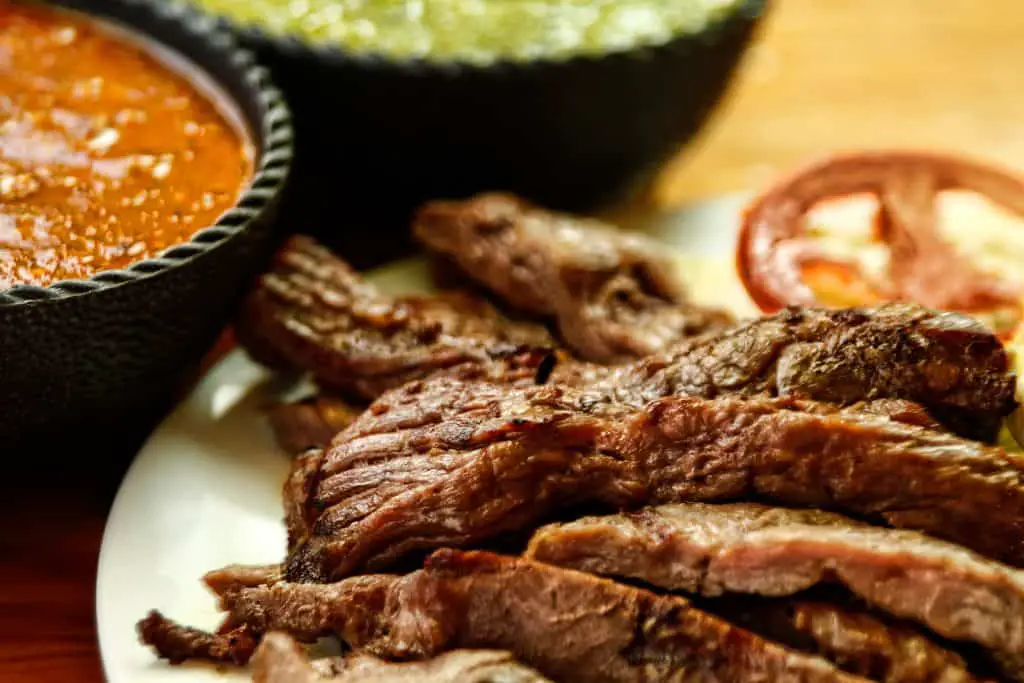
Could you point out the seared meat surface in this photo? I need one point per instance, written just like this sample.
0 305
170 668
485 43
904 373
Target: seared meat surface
751 548
448 462
479 430
613 294
279 659
178 644
313 312
311 422
567 625
946 362
855 640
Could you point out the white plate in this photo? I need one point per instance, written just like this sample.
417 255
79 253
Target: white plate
205 490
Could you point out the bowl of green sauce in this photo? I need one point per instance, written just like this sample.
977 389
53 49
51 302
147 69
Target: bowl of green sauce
571 103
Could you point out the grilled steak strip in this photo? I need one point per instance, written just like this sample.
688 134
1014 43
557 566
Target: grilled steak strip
751 548
449 463
279 659
855 640
311 422
178 644
313 312
613 294
948 363
568 625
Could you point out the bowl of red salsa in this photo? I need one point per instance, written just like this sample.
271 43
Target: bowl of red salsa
138 190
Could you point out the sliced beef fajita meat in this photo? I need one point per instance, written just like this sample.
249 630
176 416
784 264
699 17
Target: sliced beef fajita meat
312 422
568 625
178 644
854 639
615 295
279 659
751 548
445 462
948 363
314 313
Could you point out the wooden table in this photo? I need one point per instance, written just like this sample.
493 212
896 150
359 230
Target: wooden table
824 76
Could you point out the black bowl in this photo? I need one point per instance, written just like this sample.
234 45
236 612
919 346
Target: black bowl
81 357
376 137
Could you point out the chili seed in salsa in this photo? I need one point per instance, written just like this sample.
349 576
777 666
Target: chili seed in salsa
107 157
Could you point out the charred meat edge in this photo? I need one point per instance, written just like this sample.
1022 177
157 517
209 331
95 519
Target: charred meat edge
313 312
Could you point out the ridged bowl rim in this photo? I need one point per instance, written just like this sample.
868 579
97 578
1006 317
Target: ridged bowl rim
336 56
272 129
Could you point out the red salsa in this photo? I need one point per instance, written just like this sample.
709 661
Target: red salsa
107 156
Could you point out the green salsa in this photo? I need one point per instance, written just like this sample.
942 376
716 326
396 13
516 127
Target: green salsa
477 30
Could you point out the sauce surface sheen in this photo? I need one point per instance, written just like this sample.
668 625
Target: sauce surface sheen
107 157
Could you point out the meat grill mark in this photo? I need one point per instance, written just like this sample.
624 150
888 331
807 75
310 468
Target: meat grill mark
569 626
614 295
897 410
313 312
751 548
948 363
447 462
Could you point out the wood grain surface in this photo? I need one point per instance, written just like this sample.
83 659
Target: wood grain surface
848 74
825 75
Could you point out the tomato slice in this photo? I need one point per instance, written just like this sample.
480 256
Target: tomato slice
781 266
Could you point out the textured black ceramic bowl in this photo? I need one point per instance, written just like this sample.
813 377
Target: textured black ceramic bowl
105 353
574 134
